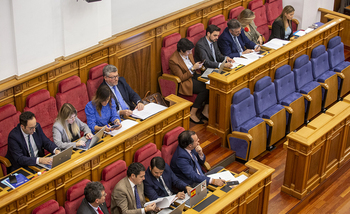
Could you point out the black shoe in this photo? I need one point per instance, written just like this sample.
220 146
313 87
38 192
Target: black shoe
204 117
199 122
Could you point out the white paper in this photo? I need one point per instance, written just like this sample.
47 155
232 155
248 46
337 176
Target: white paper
241 178
308 30
252 56
235 64
300 33
207 82
164 202
243 61
226 175
275 43
149 110
126 124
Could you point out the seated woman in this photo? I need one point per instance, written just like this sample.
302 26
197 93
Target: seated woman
246 18
67 128
282 26
101 110
182 64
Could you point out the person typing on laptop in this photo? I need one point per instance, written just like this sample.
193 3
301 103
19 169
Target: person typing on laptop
26 144
67 128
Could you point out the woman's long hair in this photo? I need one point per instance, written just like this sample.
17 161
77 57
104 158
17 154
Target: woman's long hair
286 10
103 93
66 111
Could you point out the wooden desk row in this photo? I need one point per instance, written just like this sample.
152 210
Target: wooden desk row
317 150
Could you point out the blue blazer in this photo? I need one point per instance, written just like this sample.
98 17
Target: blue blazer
129 95
18 152
228 47
184 166
153 189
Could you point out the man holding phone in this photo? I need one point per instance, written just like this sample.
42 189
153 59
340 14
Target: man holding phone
207 50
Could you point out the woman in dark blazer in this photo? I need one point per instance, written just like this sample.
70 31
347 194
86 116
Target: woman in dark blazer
182 64
282 26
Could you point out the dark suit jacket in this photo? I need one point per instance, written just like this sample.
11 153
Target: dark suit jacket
184 166
203 51
278 30
228 46
153 188
129 95
18 153
85 208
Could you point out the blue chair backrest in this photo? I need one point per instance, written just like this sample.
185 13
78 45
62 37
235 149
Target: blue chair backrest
284 82
242 108
335 51
264 95
303 71
319 61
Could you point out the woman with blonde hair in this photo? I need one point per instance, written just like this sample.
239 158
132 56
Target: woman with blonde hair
101 111
246 18
282 26
67 128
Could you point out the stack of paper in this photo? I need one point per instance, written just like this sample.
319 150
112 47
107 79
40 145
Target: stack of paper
126 124
226 175
275 43
149 110
162 202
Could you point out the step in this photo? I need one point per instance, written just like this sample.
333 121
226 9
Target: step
211 144
220 157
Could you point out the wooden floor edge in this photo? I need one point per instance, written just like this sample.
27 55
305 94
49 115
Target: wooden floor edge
320 188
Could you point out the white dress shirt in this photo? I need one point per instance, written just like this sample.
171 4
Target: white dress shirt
32 141
188 63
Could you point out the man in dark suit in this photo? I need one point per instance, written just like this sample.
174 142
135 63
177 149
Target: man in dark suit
187 159
95 199
159 180
125 98
26 144
127 195
207 49
233 42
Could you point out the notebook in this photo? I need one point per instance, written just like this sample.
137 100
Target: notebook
211 70
91 142
59 158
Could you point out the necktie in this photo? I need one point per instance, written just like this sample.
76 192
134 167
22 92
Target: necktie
137 198
31 150
162 186
120 98
99 210
197 164
213 51
239 48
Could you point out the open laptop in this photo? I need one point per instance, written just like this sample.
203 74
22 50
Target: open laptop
197 194
89 143
211 70
177 210
59 158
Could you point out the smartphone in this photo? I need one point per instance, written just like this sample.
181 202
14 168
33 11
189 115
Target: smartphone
115 126
203 61
12 179
230 183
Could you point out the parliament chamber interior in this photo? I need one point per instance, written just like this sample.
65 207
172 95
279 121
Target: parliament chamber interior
296 158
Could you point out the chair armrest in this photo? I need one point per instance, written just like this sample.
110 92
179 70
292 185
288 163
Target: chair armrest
307 97
171 77
270 27
289 109
207 166
341 75
268 121
241 135
295 21
5 161
324 85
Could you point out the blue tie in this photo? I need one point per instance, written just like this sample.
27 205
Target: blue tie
197 164
137 198
31 150
120 98
239 48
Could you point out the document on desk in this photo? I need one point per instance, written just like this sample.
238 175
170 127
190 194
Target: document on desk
149 110
275 43
164 202
126 124
243 61
235 64
226 175
241 178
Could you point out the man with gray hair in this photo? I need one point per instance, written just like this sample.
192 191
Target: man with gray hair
233 42
125 98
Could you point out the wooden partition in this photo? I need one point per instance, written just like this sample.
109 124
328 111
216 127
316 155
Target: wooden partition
89 165
222 87
317 150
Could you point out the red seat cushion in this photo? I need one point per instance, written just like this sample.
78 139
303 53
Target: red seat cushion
273 10
50 207
254 4
72 91
145 154
170 143
9 118
95 79
195 32
219 21
45 109
235 12
169 47
75 195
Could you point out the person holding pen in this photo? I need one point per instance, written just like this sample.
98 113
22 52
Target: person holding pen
101 110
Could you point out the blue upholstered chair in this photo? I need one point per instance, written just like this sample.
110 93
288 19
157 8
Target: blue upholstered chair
266 107
322 74
287 96
339 65
305 84
248 137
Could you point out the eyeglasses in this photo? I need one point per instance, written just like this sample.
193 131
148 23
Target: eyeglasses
113 77
32 128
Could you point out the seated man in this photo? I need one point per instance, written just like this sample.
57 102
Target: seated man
127 195
125 98
233 41
207 49
187 159
26 144
159 181
94 201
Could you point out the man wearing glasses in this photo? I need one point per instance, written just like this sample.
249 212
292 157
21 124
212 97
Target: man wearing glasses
125 98
95 199
26 144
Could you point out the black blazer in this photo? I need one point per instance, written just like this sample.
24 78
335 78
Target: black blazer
203 51
129 95
278 30
85 208
18 153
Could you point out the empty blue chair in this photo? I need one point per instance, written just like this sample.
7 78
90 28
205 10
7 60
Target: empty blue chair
266 107
305 84
339 65
288 97
322 74
248 137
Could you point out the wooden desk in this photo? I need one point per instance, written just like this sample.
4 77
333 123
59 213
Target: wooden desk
89 165
223 87
317 150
